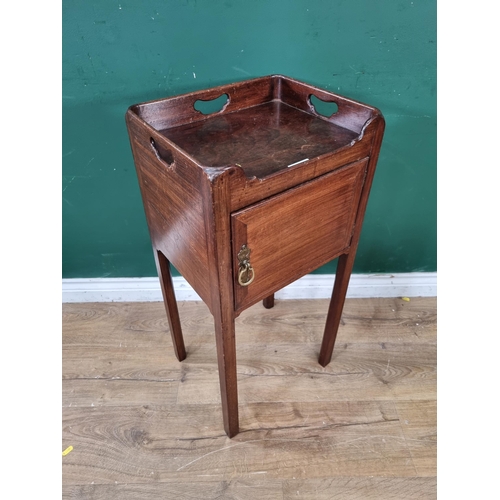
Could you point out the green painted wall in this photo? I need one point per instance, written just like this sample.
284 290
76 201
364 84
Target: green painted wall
119 53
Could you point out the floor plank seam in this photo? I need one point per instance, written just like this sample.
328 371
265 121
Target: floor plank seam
124 424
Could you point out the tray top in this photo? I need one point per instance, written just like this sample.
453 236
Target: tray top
262 139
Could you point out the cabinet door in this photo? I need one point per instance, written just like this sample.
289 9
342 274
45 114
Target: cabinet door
295 232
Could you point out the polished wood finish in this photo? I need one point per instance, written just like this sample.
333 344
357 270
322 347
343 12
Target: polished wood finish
176 216
267 171
167 288
144 426
346 261
262 139
218 217
295 232
268 302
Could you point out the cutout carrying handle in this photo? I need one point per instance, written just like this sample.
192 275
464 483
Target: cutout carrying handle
323 108
163 154
211 106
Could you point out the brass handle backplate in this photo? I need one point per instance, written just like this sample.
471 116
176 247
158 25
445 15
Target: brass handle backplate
246 274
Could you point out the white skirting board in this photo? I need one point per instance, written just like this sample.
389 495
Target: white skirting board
312 286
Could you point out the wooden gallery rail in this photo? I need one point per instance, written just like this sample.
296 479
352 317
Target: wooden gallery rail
249 198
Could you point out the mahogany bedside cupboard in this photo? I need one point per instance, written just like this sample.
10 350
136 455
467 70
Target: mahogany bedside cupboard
248 199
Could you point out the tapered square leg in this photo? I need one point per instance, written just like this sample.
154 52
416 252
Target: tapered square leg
268 302
167 288
226 358
342 276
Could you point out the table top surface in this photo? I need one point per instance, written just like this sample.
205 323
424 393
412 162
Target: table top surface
262 139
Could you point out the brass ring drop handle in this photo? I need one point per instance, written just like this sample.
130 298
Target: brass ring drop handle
245 268
243 272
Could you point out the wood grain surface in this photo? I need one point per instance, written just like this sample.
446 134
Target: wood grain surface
262 139
143 425
195 170
282 238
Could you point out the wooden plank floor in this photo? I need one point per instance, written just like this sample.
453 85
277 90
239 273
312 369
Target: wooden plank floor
143 426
